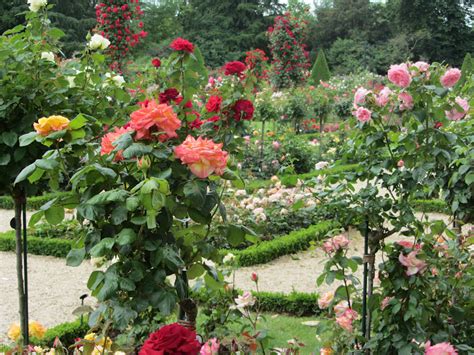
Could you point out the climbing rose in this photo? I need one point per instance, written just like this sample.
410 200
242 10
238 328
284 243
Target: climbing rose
335 243
454 114
244 301
107 143
180 44
422 67
160 116
363 114
156 62
341 307
46 125
399 75
359 96
235 67
401 163
243 109
450 78
214 104
406 101
385 302
325 300
211 347
440 349
171 339
203 156
383 97
412 264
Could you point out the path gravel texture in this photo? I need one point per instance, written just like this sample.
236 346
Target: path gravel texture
55 288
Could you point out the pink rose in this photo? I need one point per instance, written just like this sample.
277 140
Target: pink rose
401 164
385 302
413 265
440 349
383 97
247 139
406 101
399 75
276 145
325 299
341 307
409 245
454 114
363 114
345 320
328 247
254 277
359 96
340 241
211 347
422 67
451 77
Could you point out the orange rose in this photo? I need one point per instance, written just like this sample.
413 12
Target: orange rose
107 143
46 125
203 156
160 116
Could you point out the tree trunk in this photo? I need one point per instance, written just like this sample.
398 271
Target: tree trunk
18 198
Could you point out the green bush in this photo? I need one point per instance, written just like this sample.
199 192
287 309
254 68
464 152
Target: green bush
38 246
32 203
295 303
320 69
66 332
288 244
427 206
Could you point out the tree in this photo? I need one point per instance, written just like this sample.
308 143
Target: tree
320 69
467 69
446 25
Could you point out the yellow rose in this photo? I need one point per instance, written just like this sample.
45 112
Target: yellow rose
14 332
36 330
326 351
46 125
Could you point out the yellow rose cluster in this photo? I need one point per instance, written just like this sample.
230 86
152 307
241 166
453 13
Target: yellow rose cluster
35 330
47 125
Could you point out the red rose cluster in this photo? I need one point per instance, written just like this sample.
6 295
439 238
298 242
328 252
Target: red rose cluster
181 44
255 61
119 22
171 339
290 59
234 68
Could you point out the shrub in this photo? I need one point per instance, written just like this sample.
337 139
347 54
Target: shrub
38 246
320 69
66 332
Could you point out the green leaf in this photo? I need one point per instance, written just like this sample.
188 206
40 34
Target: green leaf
102 247
27 171
137 150
56 33
46 164
54 215
4 159
235 235
9 138
211 282
126 236
195 271
35 218
469 178
95 279
166 302
75 257
78 122
195 191
36 175
199 217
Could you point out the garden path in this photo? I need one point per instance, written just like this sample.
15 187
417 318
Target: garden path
55 288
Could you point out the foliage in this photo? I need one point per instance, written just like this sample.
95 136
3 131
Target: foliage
320 69
66 332
33 203
290 59
289 244
38 246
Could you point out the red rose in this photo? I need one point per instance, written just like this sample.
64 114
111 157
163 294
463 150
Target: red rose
232 68
168 95
180 44
196 124
243 109
172 339
213 119
214 104
156 62
438 125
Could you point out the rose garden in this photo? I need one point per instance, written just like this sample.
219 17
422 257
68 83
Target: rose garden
158 204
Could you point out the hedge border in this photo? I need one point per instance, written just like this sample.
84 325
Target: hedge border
66 332
38 246
291 243
32 203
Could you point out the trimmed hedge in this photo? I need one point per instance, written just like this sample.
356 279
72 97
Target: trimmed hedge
296 303
427 206
292 180
288 244
32 203
66 332
38 246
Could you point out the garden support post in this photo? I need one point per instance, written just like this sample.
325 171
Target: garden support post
262 145
19 199
364 285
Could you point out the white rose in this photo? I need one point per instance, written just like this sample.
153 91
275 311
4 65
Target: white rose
36 5
98 42
48 56
118 80
229 258
70 80
321 165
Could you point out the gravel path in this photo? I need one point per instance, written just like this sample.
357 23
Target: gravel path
54 288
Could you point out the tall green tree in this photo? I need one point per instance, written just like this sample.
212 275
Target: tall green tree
320 69
226 29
